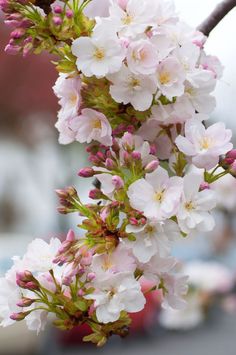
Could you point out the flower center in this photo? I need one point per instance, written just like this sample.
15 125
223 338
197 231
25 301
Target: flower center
134 82
159 196
149 229
127 19
189 206
99 54
107 264
206 143
164 78
73 98
97 123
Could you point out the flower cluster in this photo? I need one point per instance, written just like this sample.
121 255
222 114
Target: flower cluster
136 85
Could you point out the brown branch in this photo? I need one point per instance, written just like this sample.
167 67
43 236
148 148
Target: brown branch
216 16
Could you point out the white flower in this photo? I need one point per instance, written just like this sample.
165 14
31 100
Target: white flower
132 88
176 288
40 255
37 320
204 145
67 89
65 127
170 78
163 12
193 213
153 238
188 318
199 93
10 294
98 56
120 260
142 57
209 276
212 63
118 292
97 8
132 19
178 112
92 125
157 196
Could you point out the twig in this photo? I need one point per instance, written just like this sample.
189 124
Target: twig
216 16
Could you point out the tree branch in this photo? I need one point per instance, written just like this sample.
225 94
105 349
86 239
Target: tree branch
216 16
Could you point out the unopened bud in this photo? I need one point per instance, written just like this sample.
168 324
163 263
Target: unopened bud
57 9
117 182
70 237
204 186
152 166
96 194
91 276
110 164
231 154
25 302
57 20
69 13
86 172
19 316
136 155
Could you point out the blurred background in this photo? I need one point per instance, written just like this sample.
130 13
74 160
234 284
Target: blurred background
33 165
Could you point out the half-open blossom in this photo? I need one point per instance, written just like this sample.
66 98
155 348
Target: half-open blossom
204 145
157 196
67 89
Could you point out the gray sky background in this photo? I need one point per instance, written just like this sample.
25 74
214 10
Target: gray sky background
222 43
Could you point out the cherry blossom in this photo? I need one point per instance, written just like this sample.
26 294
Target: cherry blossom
204 145
157 196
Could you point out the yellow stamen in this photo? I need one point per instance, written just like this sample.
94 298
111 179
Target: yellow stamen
99 54
164 78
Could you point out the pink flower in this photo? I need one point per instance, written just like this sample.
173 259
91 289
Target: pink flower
92 125
204 145
142 57
157 196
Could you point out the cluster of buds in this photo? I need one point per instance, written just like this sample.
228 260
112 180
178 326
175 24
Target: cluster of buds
229 162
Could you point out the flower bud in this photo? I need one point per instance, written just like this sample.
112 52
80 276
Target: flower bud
136 155
86 172
204 186
69 13
70 237
57 9
57 20
152 166
19 316
25 302
96 194
117 182
153 149
91 276
231 154
110 164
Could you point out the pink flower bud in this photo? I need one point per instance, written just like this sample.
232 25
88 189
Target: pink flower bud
86 172
152 166
133 221
25 302
153 149
231 154
57 20
117 182
110 164
204 186
12 49
81 293
57 9
69 13
233 169
91 276
96 194
19 316
136 155
70 237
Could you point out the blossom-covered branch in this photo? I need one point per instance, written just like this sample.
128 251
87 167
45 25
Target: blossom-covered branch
136 86
221 10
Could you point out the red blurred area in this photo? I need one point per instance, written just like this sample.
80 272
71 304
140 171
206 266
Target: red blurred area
26 83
